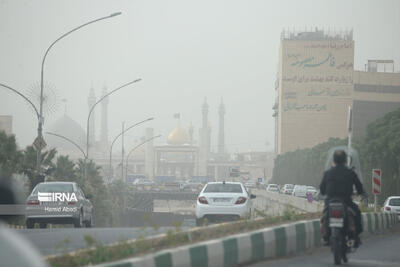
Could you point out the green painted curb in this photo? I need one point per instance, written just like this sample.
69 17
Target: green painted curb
163 260
280 241
257 246
231 252
301 237
198 256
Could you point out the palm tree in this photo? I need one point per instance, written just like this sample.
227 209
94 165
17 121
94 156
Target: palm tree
28 165
64 170
9 157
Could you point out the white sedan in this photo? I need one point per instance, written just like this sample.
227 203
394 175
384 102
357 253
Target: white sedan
392 205
223 201
273 188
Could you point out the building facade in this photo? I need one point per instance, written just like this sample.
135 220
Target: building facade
316 84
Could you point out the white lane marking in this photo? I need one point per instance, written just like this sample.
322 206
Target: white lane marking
374 263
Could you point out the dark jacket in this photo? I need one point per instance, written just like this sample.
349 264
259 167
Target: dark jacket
338 182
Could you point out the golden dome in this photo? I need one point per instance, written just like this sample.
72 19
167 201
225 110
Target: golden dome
178 137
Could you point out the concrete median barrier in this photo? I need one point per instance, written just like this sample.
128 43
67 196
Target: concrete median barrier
295 202
267 243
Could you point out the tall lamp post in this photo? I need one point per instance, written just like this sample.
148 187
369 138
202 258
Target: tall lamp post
40 124
133 149
72 142
90 113
115 139
24 97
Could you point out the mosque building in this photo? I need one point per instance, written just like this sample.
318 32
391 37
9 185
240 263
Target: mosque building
181 158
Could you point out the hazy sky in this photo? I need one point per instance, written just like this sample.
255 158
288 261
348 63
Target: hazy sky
183 50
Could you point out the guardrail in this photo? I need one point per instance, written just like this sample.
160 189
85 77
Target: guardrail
15 226
267 243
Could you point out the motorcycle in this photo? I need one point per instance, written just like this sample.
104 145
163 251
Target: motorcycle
338 218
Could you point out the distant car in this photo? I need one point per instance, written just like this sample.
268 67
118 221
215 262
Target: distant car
287 189
141 181
392 205
58 203
250 185
223 201
272 188
312 190
300 191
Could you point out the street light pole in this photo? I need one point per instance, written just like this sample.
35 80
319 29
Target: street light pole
40 115
69 140
90 112
24 97
115 139
133 149
122 151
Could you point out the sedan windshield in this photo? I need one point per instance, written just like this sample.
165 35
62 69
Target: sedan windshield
62 188
223 188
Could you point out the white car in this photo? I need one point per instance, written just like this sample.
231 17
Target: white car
299 191
312 190
287 189
223 201
392 205
273 188
250 185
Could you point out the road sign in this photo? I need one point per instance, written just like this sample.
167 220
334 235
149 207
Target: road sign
39 143
376 181
309 197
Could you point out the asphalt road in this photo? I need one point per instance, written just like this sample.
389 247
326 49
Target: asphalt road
377 251
59 240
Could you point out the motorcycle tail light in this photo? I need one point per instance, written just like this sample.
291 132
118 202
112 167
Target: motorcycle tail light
33 202
241 200
388 208
203 200
336 213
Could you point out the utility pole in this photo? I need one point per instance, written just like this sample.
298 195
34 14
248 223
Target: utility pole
123 151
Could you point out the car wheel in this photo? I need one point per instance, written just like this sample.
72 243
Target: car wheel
88 223
43 225
30 224
79 222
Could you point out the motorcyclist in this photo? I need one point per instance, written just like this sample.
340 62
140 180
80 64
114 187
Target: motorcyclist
338 182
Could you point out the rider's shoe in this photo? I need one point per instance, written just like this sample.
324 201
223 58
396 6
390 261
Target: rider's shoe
345 260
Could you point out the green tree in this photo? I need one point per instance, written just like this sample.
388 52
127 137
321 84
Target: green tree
304 166
64 170
28 165
94 185
380 149
9 156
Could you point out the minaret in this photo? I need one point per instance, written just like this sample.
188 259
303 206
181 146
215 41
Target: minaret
91 102
191 130
104 121
205 113
204 145
221 130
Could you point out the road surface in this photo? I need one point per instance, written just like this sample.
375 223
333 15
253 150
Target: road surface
376 251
